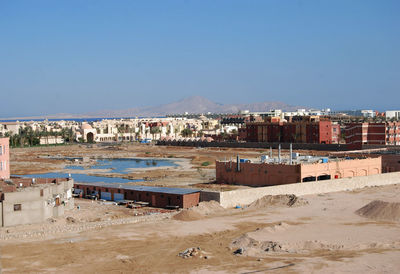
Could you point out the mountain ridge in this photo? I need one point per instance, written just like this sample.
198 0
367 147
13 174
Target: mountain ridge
193 105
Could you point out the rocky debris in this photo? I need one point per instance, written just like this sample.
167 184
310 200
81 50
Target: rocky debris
380 210
271 246
191 252
278 200
245 245
70 220
239 251
56 228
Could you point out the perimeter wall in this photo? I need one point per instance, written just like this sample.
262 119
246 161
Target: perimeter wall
246 196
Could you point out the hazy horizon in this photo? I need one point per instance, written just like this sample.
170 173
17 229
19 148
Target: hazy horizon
85 56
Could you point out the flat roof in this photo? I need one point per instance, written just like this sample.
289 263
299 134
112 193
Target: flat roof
167 190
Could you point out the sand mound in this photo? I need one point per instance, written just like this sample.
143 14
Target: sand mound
380 210
198 212
278 200
207 208
188 215
245 245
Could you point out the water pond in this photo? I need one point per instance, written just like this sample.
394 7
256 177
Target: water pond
117 166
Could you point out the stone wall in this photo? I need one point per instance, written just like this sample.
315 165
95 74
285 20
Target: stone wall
246 196
210 196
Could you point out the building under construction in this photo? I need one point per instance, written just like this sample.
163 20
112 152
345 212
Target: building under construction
270 171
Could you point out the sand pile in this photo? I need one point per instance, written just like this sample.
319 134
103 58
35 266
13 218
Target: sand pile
188 215
208 208
380 210
198 212
278 200
245 245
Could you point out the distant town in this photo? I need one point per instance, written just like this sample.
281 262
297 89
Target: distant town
341 130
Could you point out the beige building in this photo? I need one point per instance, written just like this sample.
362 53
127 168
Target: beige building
28 200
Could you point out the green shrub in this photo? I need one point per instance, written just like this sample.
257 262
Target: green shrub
205 163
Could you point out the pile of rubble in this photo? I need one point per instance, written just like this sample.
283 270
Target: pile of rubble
193 252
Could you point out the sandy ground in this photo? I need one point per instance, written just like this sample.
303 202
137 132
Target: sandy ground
321 235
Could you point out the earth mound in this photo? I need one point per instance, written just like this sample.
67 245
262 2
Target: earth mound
207 208
380 210
188 215
278 200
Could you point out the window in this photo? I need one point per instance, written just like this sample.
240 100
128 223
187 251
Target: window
119 191
178 197
17 207
147 194
94 188
41 192
106 189
131 192
1 150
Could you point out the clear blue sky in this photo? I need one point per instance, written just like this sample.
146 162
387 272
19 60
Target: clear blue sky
78 56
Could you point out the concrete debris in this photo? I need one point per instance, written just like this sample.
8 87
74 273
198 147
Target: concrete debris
239 251
271 246
70 220
191 252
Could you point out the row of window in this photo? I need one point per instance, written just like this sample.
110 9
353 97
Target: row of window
131 192
3 165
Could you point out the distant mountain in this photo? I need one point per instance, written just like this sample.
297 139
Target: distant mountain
193 105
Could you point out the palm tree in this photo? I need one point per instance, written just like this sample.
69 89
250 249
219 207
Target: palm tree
155 130
187 132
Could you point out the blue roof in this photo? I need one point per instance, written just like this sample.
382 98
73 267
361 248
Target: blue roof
166 190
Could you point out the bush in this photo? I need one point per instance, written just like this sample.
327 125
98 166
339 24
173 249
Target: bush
205 163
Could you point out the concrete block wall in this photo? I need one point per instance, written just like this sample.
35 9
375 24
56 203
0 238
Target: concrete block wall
246 196
209 196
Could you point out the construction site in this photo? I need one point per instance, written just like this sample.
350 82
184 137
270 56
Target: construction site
204 213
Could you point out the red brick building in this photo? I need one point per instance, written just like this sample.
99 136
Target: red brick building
156 196
306 131
380 134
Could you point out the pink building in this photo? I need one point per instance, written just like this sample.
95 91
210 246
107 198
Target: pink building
266 174
4 158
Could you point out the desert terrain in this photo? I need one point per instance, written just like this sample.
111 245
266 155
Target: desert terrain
351 231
